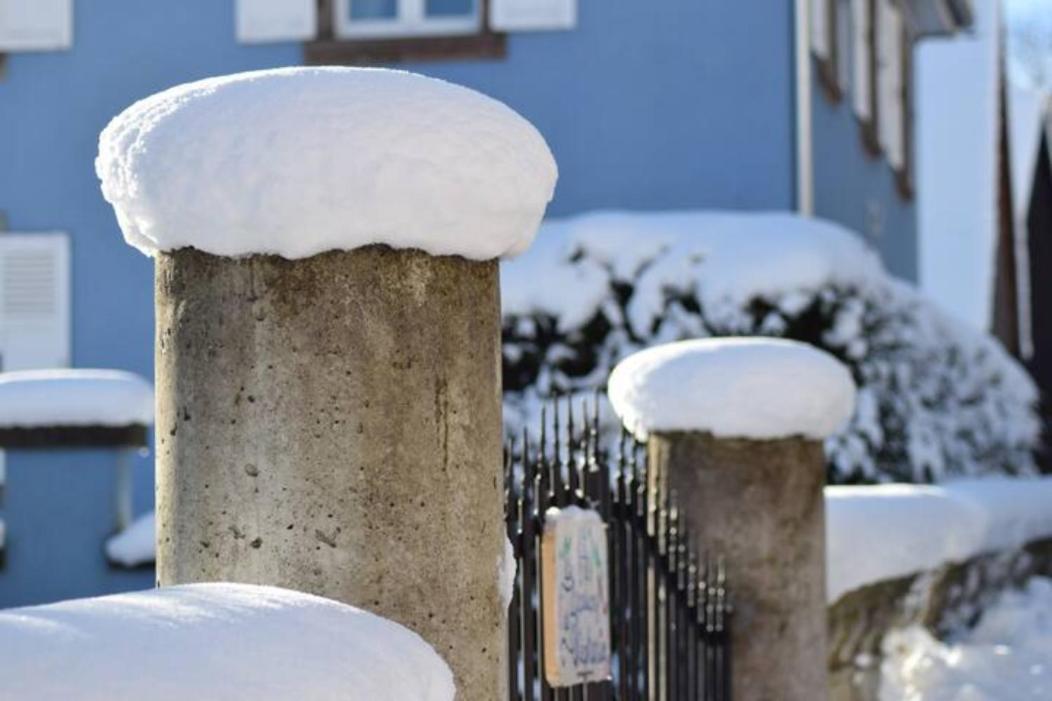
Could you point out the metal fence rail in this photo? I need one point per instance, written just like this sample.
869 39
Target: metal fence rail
669 609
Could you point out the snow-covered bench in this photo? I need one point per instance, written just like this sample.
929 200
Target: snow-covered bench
74 408
79 408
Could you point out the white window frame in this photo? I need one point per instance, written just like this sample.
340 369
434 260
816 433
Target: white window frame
412 21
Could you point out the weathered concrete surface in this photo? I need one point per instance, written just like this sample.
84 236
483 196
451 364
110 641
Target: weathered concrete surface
332 425
760 505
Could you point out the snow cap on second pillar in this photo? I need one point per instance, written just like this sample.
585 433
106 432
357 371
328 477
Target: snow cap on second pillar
754 388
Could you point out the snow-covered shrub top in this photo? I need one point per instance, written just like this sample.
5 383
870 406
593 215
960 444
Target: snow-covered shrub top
214 641
759 388
297 161
935 398
38 398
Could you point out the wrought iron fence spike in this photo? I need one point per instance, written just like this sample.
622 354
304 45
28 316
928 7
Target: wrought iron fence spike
556 450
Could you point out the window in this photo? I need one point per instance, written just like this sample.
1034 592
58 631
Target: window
356 32
403 18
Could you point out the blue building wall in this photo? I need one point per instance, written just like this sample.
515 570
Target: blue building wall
858 189
689 106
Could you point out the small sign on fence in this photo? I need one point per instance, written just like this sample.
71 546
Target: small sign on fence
576 599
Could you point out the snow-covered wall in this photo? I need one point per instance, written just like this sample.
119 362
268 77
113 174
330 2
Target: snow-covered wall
883 532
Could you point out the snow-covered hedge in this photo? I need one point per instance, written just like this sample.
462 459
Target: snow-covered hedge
935 398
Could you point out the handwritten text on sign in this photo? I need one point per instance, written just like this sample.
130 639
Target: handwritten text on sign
576 597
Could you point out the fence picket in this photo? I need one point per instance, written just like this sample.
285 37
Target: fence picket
669 608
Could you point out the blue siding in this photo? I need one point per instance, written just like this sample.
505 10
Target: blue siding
686 105
859 190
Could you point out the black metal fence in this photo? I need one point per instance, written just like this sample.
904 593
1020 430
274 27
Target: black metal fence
669 609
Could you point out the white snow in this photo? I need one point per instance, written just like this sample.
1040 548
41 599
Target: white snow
936 397
298 161
1007 657
730 257
882 532
135 545
80 397
214 641
507 570
758 388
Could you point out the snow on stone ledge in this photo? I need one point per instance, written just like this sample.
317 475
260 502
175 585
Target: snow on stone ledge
37 398
298 161
214 641
881 532
758 388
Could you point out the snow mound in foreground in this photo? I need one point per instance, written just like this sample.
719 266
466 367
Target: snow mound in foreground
1005 658
935 398
37 398
759 388
298 161
214 641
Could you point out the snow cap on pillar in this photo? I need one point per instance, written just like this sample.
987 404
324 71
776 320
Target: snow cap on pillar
754 388
298 161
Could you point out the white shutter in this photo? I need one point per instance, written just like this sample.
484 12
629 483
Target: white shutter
34 301
276 20
820 28
861 57
530 15
890 109
36 25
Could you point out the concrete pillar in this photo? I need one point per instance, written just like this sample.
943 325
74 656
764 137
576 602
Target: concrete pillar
759 504
734 428
332 425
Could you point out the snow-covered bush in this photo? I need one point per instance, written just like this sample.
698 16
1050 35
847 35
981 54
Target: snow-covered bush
935 398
